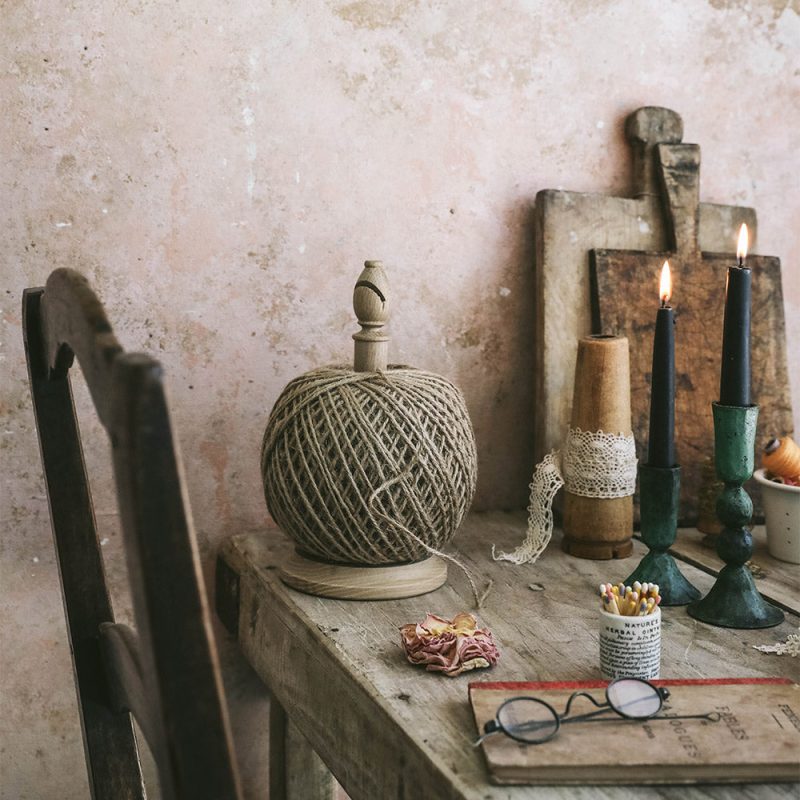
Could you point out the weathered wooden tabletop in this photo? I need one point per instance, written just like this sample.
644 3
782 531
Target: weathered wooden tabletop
777 580
389 730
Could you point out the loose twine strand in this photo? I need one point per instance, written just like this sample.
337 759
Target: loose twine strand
479 598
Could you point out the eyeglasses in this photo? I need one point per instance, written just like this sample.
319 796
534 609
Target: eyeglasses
533 721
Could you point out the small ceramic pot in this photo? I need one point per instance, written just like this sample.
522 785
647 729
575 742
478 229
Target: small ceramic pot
630 647
782 512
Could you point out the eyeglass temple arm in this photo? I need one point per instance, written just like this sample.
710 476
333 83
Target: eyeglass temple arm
712 716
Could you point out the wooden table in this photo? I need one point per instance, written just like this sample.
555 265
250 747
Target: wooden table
777 580
389 730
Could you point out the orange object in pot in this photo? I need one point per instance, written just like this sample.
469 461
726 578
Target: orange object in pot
781 458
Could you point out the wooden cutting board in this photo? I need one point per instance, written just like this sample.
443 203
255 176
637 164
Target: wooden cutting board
625 301
568 225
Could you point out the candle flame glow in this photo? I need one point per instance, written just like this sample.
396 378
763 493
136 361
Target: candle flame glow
665 286
741 247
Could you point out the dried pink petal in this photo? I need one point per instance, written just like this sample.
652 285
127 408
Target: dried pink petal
449 646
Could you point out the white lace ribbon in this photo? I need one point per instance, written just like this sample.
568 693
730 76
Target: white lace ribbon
791 647
593 464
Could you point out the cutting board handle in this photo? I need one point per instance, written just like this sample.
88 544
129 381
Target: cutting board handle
646 128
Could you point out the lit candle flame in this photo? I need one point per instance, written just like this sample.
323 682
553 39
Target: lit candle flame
741 247
665 287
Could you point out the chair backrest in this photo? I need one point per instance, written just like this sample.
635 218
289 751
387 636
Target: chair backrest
167 673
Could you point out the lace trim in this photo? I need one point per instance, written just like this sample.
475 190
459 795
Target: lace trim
598 464
791 647
595 464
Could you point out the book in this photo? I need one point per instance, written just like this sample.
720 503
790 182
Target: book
756 738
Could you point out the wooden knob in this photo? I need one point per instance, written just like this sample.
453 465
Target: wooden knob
654 125
371 307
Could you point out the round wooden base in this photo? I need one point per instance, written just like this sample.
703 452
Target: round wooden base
363 583
597 551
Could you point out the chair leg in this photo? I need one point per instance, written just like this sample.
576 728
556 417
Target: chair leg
296 772
277 750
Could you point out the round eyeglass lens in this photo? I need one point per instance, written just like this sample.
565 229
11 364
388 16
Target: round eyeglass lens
528 720
635 698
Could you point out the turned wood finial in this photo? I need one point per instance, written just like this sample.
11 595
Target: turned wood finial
371 307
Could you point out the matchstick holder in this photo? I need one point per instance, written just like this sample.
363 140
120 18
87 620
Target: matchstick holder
630 647
659 495
734 601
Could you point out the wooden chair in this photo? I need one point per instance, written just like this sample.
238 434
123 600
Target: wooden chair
167 674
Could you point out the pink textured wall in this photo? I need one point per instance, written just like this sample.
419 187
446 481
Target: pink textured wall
220 170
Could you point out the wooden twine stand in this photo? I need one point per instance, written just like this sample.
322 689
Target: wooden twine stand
355 582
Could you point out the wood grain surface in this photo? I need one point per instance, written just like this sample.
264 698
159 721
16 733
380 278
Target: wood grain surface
625 300
296 772
777 580
363 583
390 730
569 224
601 401
370 302
628 299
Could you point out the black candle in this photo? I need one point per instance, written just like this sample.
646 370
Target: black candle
661 444
734 383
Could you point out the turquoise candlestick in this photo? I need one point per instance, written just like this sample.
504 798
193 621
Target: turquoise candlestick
659 494
734 601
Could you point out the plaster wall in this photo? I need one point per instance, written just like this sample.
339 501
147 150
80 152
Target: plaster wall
219 171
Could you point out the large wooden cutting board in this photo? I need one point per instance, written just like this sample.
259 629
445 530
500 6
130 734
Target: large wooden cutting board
569 225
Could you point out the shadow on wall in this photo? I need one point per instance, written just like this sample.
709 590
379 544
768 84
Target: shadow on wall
496 331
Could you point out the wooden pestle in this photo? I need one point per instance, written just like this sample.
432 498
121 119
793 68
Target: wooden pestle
600 528
370 305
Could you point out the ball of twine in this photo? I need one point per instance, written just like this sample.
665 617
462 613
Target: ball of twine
369 467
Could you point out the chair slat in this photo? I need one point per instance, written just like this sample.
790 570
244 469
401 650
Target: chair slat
172 614
109 741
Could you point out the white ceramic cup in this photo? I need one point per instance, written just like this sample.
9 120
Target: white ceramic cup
630 647
782 513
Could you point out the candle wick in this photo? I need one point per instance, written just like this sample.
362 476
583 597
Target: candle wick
741 261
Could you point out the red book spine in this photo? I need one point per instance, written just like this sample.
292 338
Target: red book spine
534 685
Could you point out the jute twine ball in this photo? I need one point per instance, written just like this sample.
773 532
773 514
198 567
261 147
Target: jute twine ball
369 467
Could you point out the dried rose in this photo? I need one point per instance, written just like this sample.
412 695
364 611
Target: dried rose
449 646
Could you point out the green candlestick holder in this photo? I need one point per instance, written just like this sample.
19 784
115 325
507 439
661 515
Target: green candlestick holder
659 493
734 601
